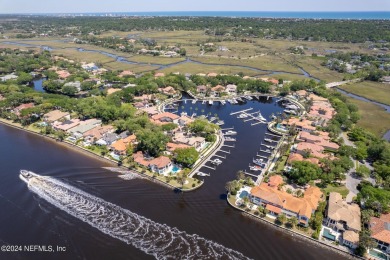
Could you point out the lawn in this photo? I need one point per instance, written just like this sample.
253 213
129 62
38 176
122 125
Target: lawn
155 59
314 67
194 68
267 62
373 117
281 164
372 90
335 188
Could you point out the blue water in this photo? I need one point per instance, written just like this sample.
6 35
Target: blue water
307 15
175 169
244 194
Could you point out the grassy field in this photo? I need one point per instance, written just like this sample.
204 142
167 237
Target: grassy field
194 68
335 188
372 90
155 59
314 67
267 62
373 118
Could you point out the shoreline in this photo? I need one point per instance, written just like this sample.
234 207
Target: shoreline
95 156
293 233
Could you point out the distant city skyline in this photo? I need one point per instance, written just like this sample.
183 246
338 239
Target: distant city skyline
92 6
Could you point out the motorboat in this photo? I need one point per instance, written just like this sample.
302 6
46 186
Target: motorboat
211 102
230 139
213 119
194 101
220 122
255 168
216 161
203 174
27 175
230 132
243 115
223 102
258 162
248 97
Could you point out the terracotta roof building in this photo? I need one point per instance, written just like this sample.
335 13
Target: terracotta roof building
160 165
120 146
380 231
276 201
55 115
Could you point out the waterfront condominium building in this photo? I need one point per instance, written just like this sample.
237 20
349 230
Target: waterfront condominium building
278 202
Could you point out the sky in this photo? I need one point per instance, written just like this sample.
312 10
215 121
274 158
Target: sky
89 6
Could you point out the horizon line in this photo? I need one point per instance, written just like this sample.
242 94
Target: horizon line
246 11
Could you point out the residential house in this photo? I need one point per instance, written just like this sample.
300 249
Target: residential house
107 139
74 84
309 149
185 120
165 118
126 73
97 133
8 77
342 217
296 157
19 108
277 202
151 111
171 147
197 142
231 89
55 115
65 125
201 89
380 231
212 74
169 91
300 94
112 90
63 74
161 165
300 124
120 146
318 140
217 90
84 127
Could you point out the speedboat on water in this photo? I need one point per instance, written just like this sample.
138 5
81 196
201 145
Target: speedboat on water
27 175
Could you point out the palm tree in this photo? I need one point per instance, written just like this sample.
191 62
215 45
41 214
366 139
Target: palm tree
230 186
293 221
281 218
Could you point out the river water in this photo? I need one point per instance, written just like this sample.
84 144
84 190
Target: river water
96 215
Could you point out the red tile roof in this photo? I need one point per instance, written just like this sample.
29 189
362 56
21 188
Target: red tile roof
380 228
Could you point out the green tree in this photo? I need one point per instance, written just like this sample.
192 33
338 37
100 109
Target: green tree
186 156
281 218
293 221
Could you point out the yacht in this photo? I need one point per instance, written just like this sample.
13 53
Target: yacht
194 101
260 116
203 174
213 119
268 140
223 102
216 161
230 132
211 102
230 139
27 175
239 99
259 162
249 97
220 122
243 115
255 168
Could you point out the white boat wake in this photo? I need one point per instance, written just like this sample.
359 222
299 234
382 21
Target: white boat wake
159 240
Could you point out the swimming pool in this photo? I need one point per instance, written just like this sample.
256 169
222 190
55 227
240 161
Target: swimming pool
176 169
244 194
328 235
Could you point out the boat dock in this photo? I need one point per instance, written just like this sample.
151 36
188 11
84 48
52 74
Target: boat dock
270 140
261 156
250 174
209 167
265 151
220 156
231 146
241 111
224 151
273 135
